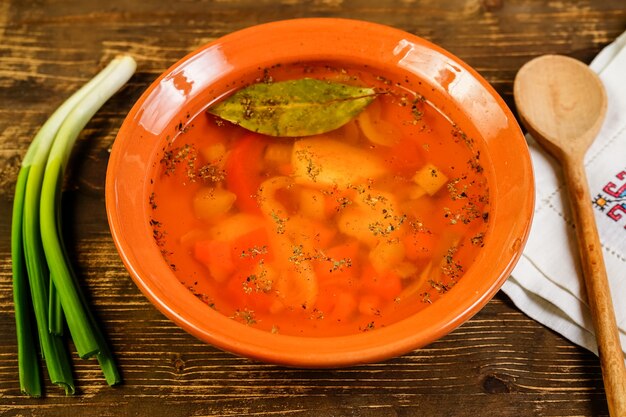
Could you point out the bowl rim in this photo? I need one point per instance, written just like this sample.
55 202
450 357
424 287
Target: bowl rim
366 347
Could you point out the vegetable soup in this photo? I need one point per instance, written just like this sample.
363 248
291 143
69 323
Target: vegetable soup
321 234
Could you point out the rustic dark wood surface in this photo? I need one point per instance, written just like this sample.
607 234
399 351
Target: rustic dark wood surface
500 363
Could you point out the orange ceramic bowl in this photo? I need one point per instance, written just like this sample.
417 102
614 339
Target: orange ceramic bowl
186 88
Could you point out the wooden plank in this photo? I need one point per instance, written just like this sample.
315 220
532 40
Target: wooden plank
500 363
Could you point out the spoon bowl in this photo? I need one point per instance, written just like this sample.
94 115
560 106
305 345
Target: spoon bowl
561 102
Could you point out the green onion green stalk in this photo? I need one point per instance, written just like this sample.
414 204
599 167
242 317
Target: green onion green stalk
44 285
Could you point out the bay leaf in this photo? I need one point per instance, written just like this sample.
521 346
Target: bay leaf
294 108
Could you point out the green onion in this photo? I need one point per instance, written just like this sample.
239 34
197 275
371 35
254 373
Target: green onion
55 312
30 382
37 245
78 319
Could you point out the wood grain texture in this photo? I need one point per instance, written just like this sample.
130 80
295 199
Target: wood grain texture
500 363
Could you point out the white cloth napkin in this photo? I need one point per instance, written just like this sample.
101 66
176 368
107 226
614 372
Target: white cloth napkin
547 282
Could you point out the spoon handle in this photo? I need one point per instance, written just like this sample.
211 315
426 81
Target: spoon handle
597 284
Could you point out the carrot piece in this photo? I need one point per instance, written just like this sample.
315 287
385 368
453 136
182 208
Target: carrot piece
285 169
252 247
248 292
386 285
348 250
243 170
297 287
340 265
322 235
234 292
405 157
216 256
345 306
336 302
369 305
419 245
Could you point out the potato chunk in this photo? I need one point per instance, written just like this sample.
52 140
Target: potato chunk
234 226
312 203
386 254
430 178
209 203
214 153
372 218
321 161
376 129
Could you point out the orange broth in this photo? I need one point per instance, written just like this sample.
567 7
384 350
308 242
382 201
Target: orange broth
325 235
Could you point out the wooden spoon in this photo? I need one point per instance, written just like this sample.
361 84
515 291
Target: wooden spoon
562 103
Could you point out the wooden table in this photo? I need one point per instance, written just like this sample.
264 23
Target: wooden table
500 363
